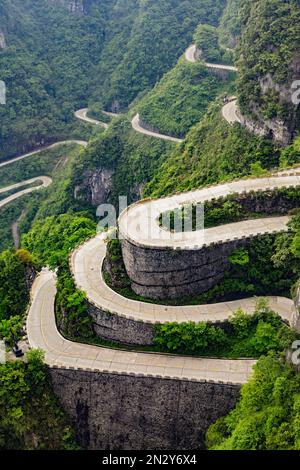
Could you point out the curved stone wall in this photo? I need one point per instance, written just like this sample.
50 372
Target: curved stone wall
160 271
169 274
112 327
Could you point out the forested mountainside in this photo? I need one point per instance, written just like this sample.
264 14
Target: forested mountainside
230 24
126 56
269 62
54 60
181 98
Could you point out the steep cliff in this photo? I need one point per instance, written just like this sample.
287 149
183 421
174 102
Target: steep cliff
74 6
269 65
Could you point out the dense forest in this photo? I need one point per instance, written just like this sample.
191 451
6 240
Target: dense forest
126 56
268 68
54 62
181 97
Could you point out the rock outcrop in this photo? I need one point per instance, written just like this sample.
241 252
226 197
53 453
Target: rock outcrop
95 187
296 312
2 41
280 129
74 6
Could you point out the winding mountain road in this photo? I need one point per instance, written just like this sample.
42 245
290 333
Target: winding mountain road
42 333
83 143
190 55
138 223
86 264
230 110
137 125
82 115
45 182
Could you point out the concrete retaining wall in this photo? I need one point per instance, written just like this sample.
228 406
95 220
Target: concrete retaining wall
122 412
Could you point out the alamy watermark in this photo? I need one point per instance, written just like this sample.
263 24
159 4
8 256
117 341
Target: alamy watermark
145 221
296 92
295 355
2 352
2 92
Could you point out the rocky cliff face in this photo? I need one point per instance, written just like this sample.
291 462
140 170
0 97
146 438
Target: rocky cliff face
74 6
296 311
122 412
269 67
2 41
282 127
95 187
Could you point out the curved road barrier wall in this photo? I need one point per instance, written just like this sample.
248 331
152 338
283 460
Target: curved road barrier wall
133 322
124 330
171 274
164 265
118 411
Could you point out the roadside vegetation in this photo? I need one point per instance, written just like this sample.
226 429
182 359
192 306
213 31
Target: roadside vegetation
30 416
267 417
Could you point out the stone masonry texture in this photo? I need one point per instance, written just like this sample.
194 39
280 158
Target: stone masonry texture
122 412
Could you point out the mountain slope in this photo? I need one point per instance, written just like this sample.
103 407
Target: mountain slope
269 67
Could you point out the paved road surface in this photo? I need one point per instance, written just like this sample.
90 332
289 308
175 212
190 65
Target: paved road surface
45 182
82 115
137 126
138 223
42 333
230 112
86 263
190 55
83 143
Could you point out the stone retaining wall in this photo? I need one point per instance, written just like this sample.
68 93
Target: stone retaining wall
126 412
170 274
121 329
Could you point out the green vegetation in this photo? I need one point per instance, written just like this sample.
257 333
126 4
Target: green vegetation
245 335
230 24
11 330
213 152
233 208
30 415
254 271
207 41
271 27
267 416
147 44
14 294
51 240
72 314
44 66
181 98
55 61
130 156
265 267
58 198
